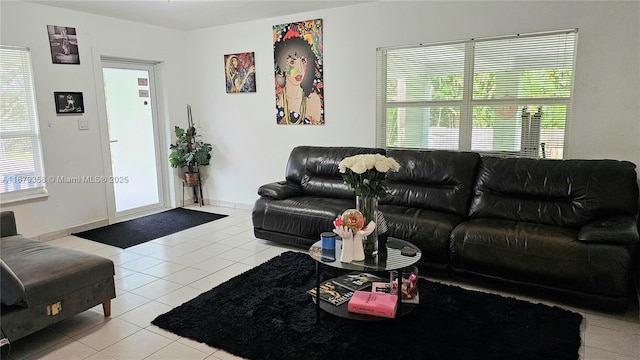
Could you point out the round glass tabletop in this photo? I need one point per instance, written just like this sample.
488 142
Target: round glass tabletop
394 259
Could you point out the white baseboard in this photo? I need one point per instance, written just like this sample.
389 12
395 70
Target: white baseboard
228 204
99 223
75 229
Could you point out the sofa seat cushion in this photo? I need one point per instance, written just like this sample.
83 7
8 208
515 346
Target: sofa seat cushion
429 230
49 272
540 254
304 216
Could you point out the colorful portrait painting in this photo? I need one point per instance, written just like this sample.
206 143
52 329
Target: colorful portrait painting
297 51
240 72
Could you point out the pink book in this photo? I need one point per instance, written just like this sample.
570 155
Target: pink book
376 304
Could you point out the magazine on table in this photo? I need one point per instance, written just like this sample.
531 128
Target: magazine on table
356 280
332 293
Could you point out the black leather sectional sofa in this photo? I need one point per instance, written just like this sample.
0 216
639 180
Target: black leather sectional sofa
561 228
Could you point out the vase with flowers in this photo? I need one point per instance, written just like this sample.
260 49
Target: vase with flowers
366 174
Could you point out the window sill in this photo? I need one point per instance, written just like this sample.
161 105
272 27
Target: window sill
26 196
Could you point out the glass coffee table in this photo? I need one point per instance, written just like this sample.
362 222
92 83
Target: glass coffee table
394 261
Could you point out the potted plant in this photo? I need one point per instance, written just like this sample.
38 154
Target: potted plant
189 151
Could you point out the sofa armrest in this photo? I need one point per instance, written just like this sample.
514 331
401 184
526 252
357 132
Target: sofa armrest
616 229
280 190
7 224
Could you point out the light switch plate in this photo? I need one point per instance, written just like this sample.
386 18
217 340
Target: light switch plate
83 124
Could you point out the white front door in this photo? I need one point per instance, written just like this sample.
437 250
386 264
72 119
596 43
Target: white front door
133 137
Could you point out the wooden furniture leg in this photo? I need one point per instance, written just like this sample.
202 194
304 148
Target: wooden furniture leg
106 308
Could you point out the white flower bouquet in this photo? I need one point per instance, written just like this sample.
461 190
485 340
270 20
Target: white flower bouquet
367 173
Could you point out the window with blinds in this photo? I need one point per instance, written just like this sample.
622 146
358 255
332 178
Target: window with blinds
21 169
508 96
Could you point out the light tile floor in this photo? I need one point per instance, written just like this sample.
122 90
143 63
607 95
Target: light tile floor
154 277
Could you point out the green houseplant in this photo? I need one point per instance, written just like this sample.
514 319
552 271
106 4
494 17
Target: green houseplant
189 151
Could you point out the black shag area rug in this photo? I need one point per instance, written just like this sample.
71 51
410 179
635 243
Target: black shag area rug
265 313
137 231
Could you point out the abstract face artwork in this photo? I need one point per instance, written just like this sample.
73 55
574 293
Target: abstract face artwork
299 90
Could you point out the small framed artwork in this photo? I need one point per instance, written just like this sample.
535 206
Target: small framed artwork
63 42
69 102
240 72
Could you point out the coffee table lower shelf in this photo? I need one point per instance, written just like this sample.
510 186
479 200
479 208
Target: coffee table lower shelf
393 261
343 311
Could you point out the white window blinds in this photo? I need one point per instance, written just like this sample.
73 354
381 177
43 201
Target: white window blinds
21 169
507 96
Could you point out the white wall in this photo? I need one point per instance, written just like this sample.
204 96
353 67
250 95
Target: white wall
67 150
250 149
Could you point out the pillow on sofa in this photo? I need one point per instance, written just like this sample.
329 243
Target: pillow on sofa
12 290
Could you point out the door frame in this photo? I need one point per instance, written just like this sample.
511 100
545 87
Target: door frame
161 126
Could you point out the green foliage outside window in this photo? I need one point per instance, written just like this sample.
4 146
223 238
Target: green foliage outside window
547 83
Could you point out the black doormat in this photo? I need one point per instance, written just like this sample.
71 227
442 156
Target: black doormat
137 231
265 313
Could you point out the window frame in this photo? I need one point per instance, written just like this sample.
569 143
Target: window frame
32 185
467 103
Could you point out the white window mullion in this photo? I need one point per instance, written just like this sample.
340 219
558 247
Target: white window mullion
381 97
466 109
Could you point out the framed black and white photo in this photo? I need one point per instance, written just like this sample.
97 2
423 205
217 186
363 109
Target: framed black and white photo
63 42
69 102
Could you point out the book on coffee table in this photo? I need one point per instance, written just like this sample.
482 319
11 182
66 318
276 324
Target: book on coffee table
356 280
373 303
332 293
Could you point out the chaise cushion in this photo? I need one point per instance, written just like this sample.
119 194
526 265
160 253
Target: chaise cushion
50 271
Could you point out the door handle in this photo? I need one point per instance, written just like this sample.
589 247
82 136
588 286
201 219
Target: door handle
113 141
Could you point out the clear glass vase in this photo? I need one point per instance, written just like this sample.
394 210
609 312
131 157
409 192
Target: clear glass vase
368 206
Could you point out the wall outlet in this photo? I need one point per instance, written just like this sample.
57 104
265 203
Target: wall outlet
83 124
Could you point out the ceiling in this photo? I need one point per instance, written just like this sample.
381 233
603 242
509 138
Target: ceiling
192 14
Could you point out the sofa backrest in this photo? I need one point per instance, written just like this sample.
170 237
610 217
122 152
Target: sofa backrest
7 224
435 180
554 192
315 168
